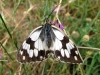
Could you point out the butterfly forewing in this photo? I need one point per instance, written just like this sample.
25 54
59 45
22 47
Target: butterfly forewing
36 47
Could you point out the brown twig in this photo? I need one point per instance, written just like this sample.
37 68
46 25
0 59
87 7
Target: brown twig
91 48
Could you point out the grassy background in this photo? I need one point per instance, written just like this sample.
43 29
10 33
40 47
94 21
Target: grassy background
81 19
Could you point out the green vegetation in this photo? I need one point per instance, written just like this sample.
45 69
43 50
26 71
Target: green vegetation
81 19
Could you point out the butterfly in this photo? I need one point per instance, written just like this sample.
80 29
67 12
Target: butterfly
48 39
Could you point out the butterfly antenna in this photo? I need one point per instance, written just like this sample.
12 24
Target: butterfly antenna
47 19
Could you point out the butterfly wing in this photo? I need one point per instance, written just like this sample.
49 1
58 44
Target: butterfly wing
65 49
31 49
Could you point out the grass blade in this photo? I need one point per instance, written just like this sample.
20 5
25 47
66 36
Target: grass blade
6 51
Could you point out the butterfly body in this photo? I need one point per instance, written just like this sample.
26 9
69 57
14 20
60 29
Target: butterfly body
47 39
47 36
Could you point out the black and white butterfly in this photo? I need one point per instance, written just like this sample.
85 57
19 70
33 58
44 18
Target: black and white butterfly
45 40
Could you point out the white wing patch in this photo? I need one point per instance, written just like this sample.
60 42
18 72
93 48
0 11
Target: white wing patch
68 48
62 52
57 45
38 44
34 36
25 45
76 52
23 57
58 34
75 57
67 53
35 52
21 52
30 53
